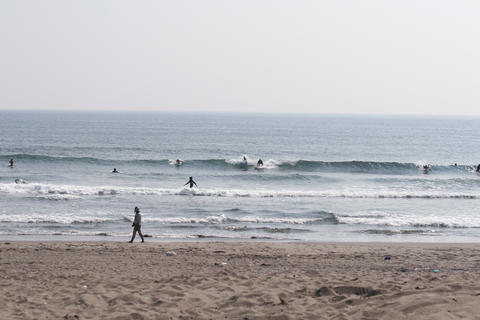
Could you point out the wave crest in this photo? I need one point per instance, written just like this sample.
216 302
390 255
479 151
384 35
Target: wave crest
302 165
71 192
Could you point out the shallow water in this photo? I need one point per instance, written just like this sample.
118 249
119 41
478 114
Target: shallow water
325 178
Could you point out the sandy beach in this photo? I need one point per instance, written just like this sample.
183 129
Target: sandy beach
87 280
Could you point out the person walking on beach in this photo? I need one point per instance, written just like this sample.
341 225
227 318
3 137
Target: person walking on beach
137 225
191 182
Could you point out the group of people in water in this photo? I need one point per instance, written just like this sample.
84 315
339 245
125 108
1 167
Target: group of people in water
178 162
428 167
259 162
137 221
190 181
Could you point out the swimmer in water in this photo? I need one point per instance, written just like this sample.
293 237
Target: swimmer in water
191 182
426 168
259 163
178 162
115 170
11 162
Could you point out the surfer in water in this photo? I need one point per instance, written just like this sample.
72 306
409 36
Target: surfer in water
11 162
426 168
478 168
115 170
178 162
259 163
191 182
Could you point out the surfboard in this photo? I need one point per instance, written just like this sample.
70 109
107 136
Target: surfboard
177 162
188 191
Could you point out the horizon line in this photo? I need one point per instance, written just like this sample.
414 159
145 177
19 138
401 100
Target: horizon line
241 112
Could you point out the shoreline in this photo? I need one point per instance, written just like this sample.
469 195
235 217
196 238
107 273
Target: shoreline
238 280
159 241
154 239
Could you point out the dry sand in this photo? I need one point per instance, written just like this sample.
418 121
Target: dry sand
56 280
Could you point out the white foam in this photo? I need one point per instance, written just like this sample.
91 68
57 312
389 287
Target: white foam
57 219
66 192
237 161
219 219
399 219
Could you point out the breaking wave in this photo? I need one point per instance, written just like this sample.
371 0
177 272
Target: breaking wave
300 165
72 192
323 218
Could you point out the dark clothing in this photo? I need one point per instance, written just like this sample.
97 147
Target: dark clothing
191 183
137 227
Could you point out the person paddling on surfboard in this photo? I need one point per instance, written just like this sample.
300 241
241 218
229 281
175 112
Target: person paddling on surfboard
11 163
115 170
191 182
426 168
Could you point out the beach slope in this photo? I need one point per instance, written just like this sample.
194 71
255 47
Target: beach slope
76 280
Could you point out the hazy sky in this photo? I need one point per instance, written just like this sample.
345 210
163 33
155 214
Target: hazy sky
385 56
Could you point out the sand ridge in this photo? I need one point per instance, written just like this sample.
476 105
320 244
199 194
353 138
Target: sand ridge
252 280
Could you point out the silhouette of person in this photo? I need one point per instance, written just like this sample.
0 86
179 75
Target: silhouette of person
259 163
115 170
137 225
11 162
191 182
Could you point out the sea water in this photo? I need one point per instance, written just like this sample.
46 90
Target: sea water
324 178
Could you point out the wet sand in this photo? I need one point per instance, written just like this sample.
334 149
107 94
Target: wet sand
215 280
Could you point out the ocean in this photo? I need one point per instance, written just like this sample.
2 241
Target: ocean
324 178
